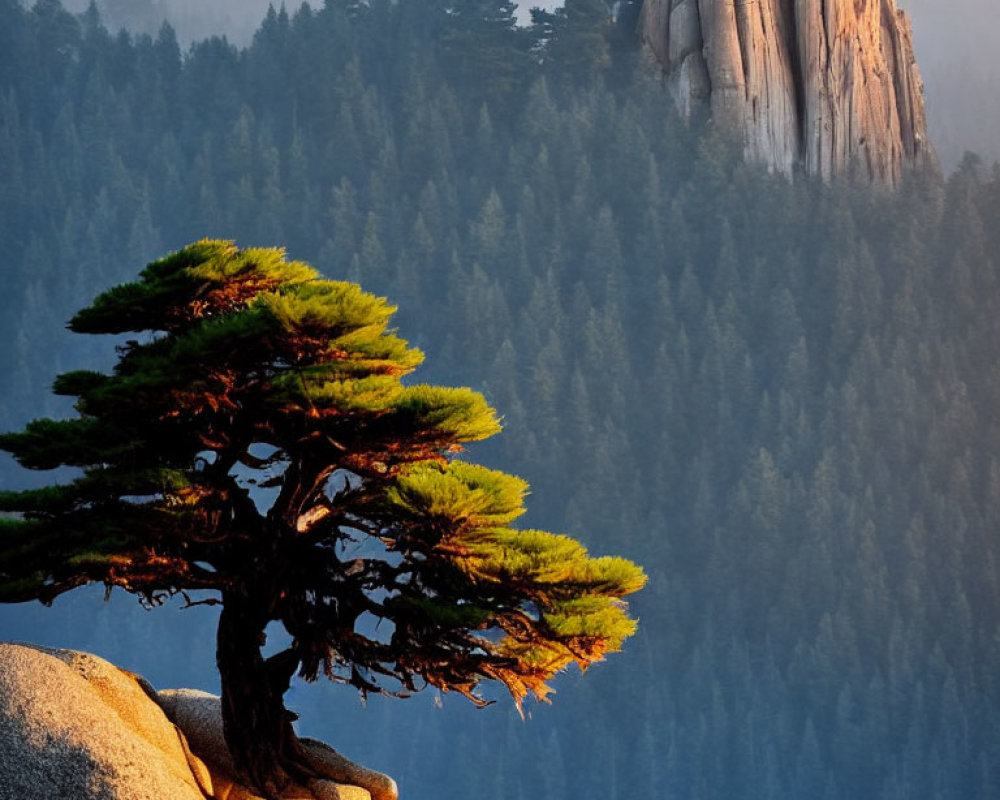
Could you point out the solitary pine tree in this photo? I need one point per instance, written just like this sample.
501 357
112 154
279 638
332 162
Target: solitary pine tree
258 446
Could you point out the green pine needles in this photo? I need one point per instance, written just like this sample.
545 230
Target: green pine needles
258 444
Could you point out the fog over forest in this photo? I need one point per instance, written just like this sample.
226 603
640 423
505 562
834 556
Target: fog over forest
954 43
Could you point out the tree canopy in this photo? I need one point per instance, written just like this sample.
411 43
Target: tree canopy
259 442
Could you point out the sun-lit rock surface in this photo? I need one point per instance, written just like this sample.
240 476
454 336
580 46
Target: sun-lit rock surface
199 716
828 85
75 727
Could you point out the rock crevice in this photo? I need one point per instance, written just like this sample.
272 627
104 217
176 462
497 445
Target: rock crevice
828 86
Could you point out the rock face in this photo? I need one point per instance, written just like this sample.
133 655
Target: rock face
199 716
829 86
74 727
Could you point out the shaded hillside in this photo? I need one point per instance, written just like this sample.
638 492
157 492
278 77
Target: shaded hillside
779 397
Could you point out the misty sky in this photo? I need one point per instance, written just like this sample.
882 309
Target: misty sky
955 43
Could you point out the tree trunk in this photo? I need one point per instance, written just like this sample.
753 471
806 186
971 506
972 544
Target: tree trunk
258 728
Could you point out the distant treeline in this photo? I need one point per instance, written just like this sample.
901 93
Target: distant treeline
193 20
780 397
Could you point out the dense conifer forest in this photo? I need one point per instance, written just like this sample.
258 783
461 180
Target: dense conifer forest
780 397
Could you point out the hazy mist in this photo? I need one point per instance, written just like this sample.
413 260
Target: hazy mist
956 51
191 19
955 42
779 396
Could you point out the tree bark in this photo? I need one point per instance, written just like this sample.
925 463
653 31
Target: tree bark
258 728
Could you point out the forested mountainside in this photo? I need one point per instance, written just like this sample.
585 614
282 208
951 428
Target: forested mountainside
953 43
780 397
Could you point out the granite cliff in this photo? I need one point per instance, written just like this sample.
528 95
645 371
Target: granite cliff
827 86
74 727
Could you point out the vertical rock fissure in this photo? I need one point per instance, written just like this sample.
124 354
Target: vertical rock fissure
828 98
697 45
789 35
665 27
901 79
825 27
744 37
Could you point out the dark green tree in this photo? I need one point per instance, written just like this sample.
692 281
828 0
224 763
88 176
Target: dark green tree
258 448
481 41
576 37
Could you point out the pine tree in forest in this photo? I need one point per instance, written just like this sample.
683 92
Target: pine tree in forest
258 448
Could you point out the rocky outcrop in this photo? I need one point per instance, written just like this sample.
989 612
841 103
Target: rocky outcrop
199 716
74 727
829 86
